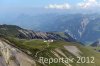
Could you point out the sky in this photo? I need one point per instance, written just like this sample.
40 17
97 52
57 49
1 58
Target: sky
34 3
43 3
10 5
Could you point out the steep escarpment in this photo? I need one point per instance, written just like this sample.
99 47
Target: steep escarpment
11 56
96 44
44 35
15 31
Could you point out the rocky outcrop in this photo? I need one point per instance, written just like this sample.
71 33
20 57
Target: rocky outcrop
28 34
96 44
17 32
11 56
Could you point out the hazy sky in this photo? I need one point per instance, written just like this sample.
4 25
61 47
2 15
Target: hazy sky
43 3
21 5
34 3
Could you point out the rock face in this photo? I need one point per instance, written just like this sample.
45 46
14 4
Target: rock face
74 50
11 56
44 35
96 44
15 31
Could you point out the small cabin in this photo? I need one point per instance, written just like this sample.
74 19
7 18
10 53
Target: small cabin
48 40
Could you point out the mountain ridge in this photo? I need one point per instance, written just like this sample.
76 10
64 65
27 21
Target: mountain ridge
15 31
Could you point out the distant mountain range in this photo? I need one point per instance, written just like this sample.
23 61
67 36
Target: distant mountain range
82 27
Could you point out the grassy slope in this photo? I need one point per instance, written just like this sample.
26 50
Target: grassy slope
9 30
35 46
